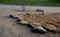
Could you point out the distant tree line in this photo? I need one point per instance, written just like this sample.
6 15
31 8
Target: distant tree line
57 1
54 1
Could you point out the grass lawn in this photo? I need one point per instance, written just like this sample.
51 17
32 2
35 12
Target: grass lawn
30 2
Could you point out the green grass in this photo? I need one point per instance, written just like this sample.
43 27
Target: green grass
30 2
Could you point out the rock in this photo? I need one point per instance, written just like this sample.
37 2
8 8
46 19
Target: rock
11 15
49 27
40 10
19 19
23 22
15 16
31 25
39 30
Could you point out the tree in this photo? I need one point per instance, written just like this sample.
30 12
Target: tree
57 1
54 1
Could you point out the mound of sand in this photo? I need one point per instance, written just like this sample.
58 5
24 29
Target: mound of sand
48 22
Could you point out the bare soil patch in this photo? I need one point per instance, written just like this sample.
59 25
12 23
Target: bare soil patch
47 21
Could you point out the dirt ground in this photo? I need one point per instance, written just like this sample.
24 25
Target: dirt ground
10 28
43 20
